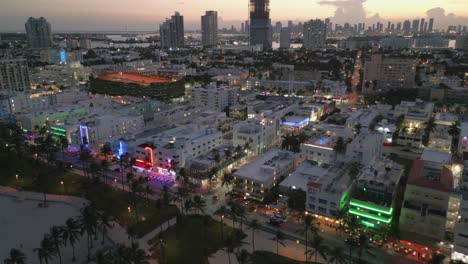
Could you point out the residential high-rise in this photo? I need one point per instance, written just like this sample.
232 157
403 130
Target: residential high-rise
72 43
85 43
38 33
14 76
285 38
407 26
172 32
421 26
431 25
415 27
179 28
242 28
383 74
209 27
168 35
278 27
213 97
247 27
398 26
260 24
314 32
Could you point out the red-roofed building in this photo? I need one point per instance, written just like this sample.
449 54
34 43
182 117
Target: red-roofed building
133 84
430 207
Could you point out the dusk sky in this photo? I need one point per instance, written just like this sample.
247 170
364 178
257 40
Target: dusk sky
89 15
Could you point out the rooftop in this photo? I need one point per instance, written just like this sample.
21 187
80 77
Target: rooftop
422 176
307 171
335 179
139 79
436 156
264 167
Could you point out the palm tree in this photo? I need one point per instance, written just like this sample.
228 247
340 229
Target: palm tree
199 203
340 215
46 251
161 242
57 238
340 145
364 245
243 256
148 192
230 246
188 204
227 180
310 225
104 223
254 225
16 257
71 234
181 195
137 255
279 238
240 212
318 247
104 257
336 255
89 223
122 254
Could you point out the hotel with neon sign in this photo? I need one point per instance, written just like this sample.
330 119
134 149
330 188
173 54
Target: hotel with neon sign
374 197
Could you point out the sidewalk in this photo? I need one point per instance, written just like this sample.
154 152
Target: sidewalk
263 242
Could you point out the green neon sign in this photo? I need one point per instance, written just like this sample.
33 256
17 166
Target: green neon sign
370 216
368 224
370 207
58 128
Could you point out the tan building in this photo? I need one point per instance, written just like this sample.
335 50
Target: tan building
385 73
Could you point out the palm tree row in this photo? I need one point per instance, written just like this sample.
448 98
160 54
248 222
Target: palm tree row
90 222
122 255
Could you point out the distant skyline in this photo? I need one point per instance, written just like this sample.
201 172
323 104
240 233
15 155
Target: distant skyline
146 15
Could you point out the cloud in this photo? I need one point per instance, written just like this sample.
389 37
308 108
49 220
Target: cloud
442 20
354 11
347 10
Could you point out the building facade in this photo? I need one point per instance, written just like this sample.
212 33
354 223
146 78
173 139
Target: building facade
209 27
14 76
314 33
260 23
38 33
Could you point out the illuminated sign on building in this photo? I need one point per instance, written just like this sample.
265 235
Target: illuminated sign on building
296 124
63 57
121 148
84 133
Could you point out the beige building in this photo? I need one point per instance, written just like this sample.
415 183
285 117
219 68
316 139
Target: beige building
385 73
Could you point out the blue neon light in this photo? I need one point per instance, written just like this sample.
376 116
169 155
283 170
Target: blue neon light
84 133
296 124
121 148
323 141
63 57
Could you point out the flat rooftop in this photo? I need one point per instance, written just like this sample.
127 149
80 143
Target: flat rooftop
436 156
335 180
425 177
262 168
307 171
139 79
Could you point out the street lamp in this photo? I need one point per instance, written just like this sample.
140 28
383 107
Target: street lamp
17 176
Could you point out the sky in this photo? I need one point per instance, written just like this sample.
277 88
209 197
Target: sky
100 15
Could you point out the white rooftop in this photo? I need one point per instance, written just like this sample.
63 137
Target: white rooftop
436 156
262 168
307 171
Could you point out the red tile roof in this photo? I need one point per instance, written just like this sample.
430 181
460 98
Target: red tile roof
415 178
139 79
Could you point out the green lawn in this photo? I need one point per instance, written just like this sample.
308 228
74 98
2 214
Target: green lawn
188 242
115 202
264 257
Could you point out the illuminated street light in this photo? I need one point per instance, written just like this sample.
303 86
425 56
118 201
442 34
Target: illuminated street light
61 182
17 176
